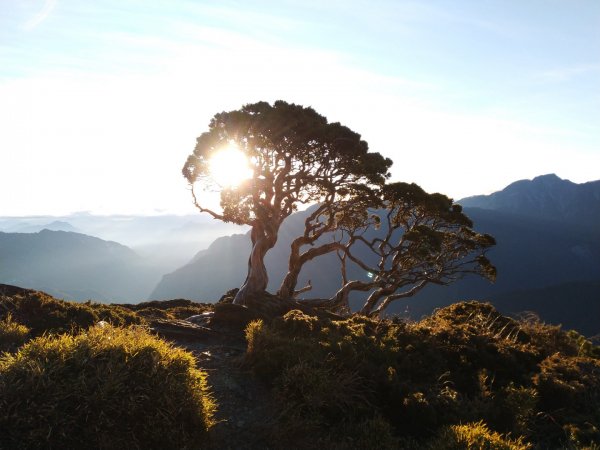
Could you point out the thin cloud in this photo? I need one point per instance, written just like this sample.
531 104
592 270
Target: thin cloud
47 8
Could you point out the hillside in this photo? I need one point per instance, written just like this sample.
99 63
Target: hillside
546 197
463 377
74 266
164 241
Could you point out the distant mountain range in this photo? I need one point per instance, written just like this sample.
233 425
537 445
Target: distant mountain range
162 242
167 241
546 197
74 266
547 233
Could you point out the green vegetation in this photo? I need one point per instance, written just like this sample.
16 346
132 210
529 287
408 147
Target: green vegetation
106 388
466 375
42 313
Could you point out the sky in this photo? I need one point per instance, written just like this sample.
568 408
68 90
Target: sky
101 102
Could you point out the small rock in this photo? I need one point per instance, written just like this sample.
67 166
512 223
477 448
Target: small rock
200 319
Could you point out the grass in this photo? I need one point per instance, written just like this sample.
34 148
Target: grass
106 388
12 334
474 436
168 309
42 313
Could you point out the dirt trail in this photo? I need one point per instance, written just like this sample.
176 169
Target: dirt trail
244 408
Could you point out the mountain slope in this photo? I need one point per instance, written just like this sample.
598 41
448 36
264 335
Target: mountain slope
73 265
561 304
545 197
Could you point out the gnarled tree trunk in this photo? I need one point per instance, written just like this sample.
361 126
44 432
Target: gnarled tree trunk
288 285
263 239
340 299
297 261
373 299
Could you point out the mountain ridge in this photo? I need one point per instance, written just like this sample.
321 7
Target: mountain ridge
73 265
546 196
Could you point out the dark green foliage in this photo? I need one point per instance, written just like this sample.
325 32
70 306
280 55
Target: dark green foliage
464 364
43 313
107 388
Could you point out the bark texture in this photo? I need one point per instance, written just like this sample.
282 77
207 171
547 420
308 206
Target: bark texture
263 239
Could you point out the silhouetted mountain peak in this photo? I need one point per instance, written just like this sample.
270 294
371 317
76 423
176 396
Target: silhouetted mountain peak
546 196
60 225
549 178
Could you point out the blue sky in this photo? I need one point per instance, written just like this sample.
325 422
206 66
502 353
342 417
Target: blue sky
101 102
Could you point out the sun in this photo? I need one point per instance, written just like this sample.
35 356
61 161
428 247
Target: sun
229 167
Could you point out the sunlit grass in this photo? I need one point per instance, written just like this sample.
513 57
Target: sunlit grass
107 388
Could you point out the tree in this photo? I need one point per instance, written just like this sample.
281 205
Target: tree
297 158
413 240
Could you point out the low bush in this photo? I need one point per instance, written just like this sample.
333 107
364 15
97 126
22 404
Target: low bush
569 390
107 388
465 364
42 313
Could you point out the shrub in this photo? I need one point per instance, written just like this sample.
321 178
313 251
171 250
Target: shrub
474 436
464 364
321 394
369 434
547 339
43 313
108 388
569 390
12 334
